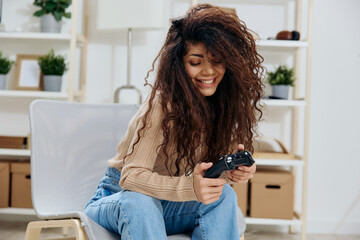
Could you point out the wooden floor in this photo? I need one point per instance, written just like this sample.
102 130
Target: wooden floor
15 230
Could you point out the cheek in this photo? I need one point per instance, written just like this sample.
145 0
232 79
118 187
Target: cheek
191 72
222 70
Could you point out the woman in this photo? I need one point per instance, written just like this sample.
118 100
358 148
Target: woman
203 104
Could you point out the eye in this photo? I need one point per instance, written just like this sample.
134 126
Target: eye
216 61
194 63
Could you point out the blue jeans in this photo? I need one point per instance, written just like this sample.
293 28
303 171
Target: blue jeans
137 216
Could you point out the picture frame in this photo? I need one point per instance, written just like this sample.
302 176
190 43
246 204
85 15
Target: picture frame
28 74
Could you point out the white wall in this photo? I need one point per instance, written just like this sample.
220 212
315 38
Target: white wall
334 169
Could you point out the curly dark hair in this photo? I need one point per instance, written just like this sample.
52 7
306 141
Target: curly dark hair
215 124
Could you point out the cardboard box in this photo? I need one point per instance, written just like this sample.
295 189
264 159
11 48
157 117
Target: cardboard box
272 194
12 142
20 185
4 184
241 190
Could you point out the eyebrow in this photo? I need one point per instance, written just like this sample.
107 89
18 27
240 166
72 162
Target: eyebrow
197 55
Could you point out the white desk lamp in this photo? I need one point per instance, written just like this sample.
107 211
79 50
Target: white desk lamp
130 14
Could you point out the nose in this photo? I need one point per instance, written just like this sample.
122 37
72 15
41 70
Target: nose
208 68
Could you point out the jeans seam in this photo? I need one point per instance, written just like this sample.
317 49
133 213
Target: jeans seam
126 220
201 224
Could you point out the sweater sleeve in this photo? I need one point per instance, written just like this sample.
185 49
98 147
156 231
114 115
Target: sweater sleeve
137 173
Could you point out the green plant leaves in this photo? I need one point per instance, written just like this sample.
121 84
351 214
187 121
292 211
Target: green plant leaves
56 7
283 75
5 64
57 15
39 13
52 64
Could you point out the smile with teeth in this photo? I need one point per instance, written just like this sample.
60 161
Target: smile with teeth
207 82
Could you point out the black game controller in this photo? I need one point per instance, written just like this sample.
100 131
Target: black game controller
229 162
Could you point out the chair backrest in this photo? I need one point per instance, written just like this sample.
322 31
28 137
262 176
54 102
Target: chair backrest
70 146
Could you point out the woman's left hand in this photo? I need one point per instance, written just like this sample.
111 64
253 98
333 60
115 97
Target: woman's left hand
242 174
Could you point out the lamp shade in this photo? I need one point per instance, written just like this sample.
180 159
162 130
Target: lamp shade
136 14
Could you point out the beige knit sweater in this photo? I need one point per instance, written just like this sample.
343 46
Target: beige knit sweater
144 170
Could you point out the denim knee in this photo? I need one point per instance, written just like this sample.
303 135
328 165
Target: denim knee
229 195
140 206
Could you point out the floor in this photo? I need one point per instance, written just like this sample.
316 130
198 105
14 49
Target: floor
16 231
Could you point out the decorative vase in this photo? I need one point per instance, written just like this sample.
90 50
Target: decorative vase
49 24
2 81
52 83
280 91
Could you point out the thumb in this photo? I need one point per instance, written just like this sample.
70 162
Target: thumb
200 169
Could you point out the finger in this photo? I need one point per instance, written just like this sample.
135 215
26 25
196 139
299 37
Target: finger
242 175
211 200
239 175
211 182
214 190
242 181
251 169
239 147
200 169
241 178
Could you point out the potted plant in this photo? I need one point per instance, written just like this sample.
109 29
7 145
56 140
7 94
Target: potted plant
51 13
53 67
5 66
280 80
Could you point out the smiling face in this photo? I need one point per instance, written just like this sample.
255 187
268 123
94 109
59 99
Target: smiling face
204 69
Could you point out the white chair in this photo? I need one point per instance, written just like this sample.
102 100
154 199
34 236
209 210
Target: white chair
70 146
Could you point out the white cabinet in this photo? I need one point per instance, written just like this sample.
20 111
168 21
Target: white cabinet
287 120
21 37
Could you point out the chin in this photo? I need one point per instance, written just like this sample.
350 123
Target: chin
208 92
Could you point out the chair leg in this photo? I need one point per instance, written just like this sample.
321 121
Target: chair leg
34 228
242 237
32 231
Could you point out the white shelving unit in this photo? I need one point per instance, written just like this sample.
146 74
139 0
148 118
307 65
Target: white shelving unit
14 153
298 106
76 44
32 95
286 44
18 211
266 221
284 103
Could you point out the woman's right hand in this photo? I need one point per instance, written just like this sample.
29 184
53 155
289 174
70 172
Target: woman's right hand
207 190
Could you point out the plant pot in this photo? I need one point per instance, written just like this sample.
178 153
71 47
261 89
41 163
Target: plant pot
2 81
52 83
49 24
280 91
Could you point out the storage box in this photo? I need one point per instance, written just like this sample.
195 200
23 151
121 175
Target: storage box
20 185
241 190
4 184
272 194
12 142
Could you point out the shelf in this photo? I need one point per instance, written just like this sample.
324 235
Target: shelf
33 94
283 103
18 211
279 162
18 154
285 44
269 221
41 37
61 37
35 36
